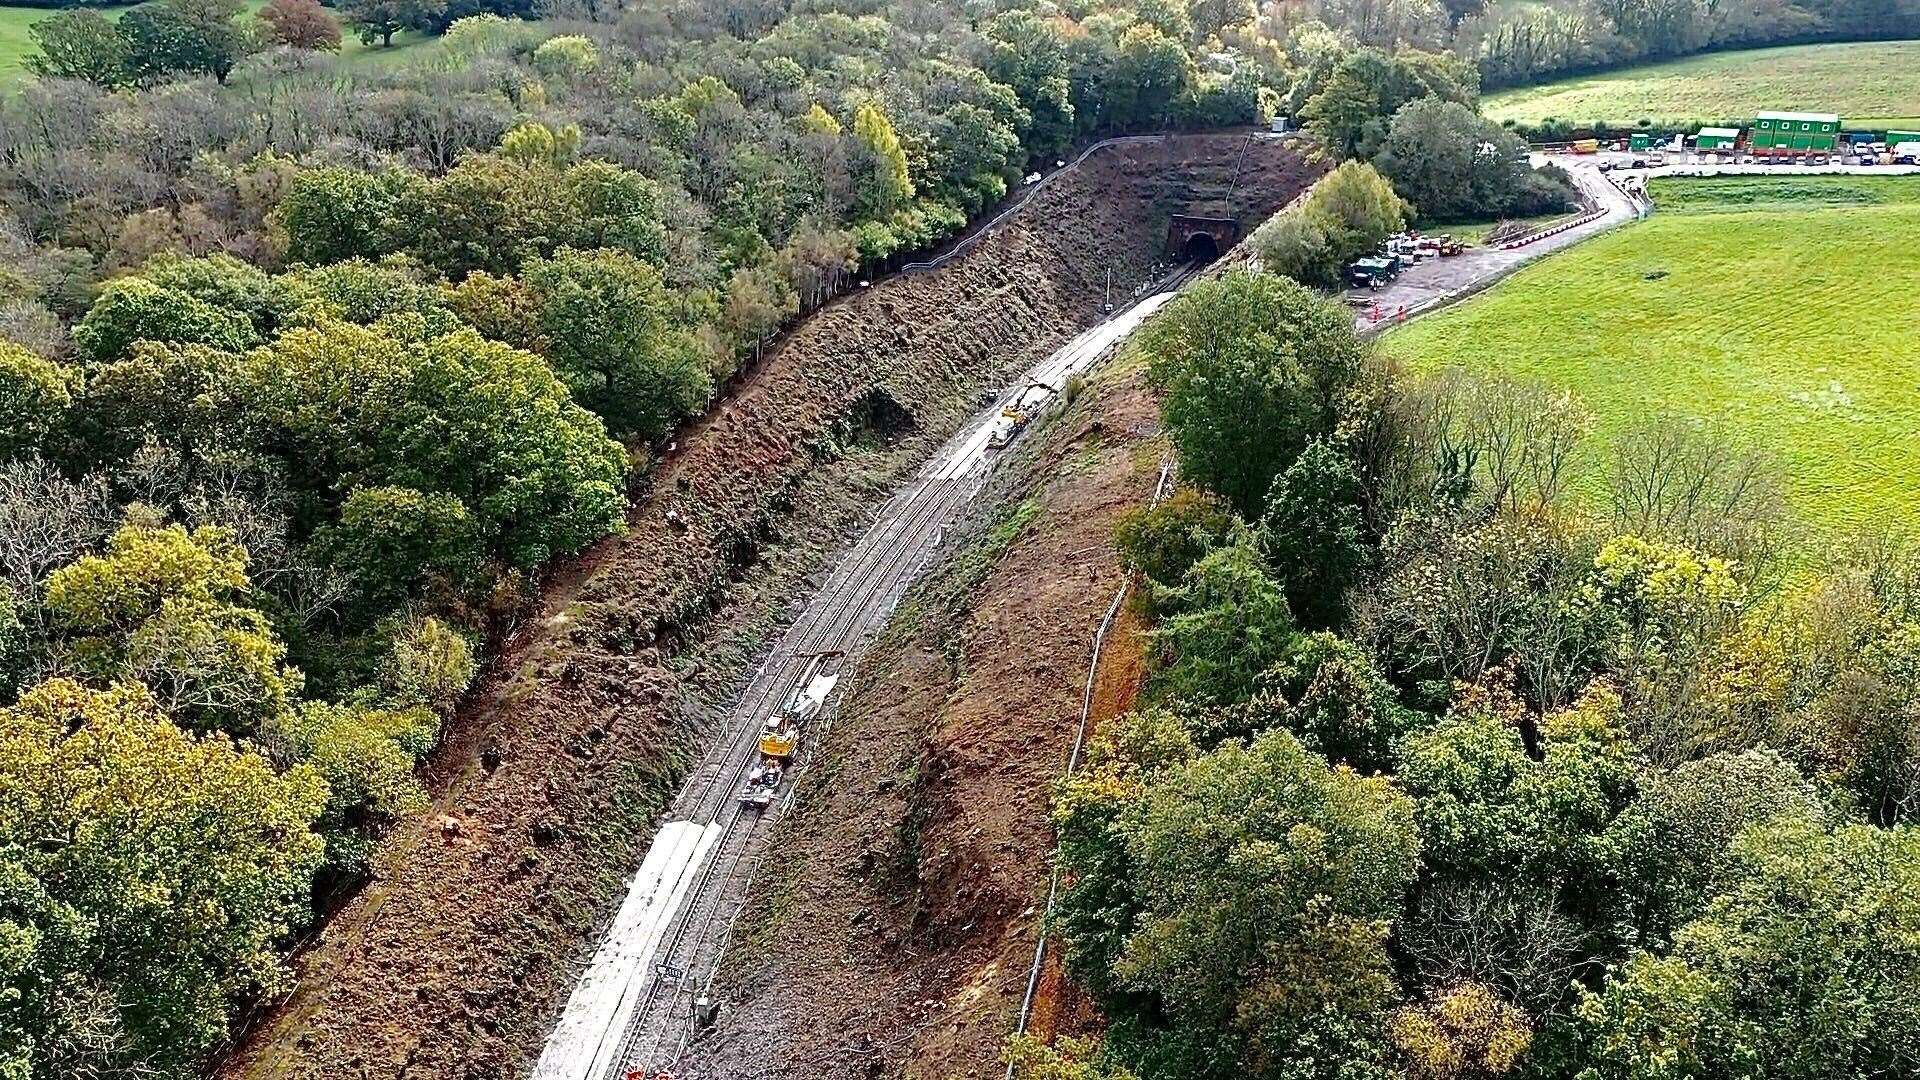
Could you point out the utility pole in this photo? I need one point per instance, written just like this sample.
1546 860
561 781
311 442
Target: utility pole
1109 302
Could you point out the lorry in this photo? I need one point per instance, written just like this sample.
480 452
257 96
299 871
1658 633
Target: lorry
1370 273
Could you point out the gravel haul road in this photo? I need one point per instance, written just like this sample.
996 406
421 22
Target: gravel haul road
1434 284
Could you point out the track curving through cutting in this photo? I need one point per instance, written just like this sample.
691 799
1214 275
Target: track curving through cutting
652 1018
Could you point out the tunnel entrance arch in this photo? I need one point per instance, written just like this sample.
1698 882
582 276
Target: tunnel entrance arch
1201 248
1194 238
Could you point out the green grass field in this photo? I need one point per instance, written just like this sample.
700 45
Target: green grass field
14 42
1870 84
15 45
1790 319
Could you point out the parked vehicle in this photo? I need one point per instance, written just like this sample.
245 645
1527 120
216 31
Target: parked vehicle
1370 273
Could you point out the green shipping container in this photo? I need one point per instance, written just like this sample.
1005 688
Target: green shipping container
1640 140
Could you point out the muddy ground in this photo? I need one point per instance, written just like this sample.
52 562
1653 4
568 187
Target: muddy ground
895 935
456 957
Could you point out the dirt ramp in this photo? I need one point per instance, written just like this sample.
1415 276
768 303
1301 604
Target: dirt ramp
455 959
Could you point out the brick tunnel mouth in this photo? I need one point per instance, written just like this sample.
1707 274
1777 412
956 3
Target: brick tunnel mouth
1201 248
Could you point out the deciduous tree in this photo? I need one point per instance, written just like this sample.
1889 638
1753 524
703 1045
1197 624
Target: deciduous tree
379 20
35 395
80 44
606 322
148 875
135 309
1253 367
1809 962
302 24
1255 890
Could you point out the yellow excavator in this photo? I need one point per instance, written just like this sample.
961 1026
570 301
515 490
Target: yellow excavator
780 732
1018 413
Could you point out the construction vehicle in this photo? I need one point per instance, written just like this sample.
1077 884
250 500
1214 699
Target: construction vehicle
1015 415
1584 146
1369 273
780 732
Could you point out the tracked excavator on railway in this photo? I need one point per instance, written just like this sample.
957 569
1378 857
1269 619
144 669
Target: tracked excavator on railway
1018 413
780 733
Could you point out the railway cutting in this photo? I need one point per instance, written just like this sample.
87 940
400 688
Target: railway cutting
645 996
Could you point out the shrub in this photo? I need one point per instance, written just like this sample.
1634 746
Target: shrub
1163 542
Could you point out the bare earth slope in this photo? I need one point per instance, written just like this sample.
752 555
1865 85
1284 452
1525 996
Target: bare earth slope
454 960
894 936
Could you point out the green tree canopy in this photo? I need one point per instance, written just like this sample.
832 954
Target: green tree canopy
1253 366
147 879
169 37
142 568
1806 967
379 20
80 43
1348 213
332 213
1676 841
1163 542
1222 627
1349 111
455 414
134 309
1152 76
1453 164
394 542
607 324
883 184
1314 533
35 395
1256 888
494 213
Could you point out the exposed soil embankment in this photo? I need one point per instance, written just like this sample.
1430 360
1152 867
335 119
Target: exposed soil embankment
455 959
895 935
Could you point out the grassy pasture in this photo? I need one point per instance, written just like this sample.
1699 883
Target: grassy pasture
1790 320
16 46
14 42
1870 84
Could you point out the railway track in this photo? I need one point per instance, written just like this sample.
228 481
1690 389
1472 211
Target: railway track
665 963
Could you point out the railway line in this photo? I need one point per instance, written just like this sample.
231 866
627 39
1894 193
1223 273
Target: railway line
640 1003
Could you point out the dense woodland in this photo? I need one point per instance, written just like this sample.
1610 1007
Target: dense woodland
311 369
1447 771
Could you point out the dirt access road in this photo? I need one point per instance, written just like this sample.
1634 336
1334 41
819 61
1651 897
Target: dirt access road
1441 281
635 1008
